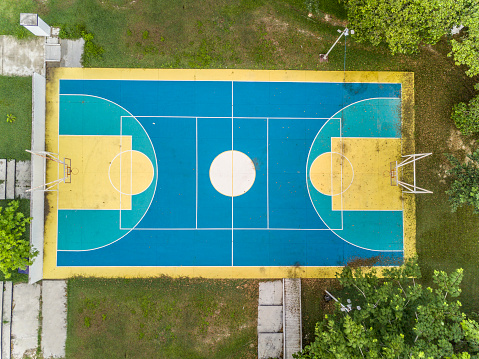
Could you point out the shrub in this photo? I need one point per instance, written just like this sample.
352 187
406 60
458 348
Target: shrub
465 188
466 116
91 49
15 251
11 118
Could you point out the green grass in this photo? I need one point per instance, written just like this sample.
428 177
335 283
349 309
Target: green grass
280 35
10 19
16 99
161 318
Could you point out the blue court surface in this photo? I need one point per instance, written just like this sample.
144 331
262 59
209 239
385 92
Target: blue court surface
180 218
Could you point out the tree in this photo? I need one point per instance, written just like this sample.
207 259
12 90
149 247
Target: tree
15 251
466 49
396 317
466 116
465 187
403 24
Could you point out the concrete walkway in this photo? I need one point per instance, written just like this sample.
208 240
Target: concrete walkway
21 320
270 320
22 57
20 304
279 319
54 314
292 317
15 179
25 319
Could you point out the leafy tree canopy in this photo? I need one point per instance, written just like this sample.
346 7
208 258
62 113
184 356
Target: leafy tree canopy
466 116
398 318
404 24
465 187
466 49
15 251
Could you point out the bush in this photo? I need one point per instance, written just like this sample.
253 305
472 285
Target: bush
15 250
465 188
72 32
466 116
91 49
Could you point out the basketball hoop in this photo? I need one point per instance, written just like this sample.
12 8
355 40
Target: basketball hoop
394 173
67 171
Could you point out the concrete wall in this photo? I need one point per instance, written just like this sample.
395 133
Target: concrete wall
38 176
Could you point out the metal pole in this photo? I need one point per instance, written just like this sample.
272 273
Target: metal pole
324 57
342 305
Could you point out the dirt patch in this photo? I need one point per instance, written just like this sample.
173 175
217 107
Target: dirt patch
275 25
364 262
308 33
458 142
442 171
332 20
46 207
125 4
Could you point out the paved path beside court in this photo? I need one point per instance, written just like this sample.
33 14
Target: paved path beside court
54 314
20 311
279 318
25 323
22 57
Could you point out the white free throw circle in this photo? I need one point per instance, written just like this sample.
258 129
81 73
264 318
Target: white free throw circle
232 173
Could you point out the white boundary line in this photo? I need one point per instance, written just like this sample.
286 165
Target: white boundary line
121 148
340 138
232 229
232 176
156 182
92 135
267 173
131 170
229 229
243 81
337 194
58 173
240 117
131 176
307 169
213 266
196 170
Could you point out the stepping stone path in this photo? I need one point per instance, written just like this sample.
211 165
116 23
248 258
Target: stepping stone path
15 179
279 319
21 321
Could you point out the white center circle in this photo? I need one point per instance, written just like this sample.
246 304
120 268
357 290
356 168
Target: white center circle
232 173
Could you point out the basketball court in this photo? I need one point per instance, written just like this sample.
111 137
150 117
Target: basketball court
226 173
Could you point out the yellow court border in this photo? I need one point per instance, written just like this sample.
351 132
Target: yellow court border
51 271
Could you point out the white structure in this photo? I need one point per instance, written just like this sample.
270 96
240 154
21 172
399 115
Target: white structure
407 187
345 32
34 24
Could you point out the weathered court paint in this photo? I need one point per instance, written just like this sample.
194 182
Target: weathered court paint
143 142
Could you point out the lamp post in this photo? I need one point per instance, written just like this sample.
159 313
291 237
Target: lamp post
345 32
